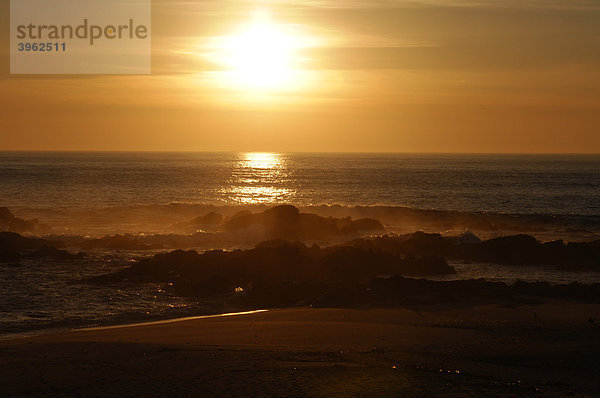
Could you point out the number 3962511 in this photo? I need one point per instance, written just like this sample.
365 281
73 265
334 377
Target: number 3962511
41 47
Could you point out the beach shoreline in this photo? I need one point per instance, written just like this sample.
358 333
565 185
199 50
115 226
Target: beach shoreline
41 332
549 349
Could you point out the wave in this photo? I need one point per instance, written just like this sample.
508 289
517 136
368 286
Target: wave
178 218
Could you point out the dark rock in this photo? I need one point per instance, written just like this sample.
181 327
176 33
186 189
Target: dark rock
9 222
16 242
286 222
509 250
276 262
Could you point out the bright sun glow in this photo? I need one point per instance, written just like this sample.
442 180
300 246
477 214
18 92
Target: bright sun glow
260 55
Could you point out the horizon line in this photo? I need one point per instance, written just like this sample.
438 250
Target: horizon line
291 152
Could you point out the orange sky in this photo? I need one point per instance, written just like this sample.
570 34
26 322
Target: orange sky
392 76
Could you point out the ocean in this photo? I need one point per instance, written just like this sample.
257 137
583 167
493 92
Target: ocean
61 188
515 184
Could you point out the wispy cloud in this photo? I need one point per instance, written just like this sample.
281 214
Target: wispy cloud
232 5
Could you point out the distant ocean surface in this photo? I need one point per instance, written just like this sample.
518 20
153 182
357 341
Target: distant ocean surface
518 184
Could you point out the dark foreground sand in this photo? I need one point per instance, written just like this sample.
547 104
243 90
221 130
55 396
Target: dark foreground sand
543 350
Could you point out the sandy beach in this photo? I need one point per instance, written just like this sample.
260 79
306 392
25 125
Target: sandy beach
539 350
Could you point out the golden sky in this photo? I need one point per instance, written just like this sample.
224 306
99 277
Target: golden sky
331 75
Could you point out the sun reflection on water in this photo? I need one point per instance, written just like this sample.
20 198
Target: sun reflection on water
261 178
258 160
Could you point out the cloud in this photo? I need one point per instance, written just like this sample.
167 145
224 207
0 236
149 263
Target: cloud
232 5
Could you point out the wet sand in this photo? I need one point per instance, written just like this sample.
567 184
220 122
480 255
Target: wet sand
545 350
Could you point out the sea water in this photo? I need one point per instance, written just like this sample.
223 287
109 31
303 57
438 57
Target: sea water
519 184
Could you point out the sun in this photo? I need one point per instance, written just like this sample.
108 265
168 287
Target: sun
260 54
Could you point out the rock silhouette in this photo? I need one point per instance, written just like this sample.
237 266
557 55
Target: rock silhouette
9 222
273 263
242 228
287 222
14 247
509 250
